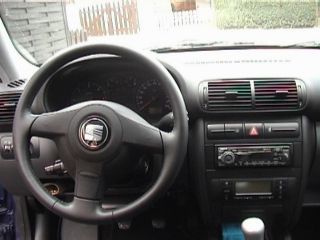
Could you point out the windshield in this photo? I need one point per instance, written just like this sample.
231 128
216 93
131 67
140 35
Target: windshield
41 28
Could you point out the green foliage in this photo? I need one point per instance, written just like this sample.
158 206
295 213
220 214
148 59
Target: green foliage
233 14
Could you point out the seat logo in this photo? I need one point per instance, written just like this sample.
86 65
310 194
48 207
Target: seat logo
93 133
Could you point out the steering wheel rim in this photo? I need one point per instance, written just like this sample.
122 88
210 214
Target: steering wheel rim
26 125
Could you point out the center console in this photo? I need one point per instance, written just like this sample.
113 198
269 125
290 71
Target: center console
251 168
239 156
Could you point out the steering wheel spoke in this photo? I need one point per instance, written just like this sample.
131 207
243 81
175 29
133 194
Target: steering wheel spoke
142 135
136 131
51 125
83 209
89 180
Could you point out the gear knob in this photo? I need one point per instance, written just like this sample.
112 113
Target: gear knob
253 229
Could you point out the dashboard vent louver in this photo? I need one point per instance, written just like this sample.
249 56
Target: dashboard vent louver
279 94
225 95
8 103
16 83
237 61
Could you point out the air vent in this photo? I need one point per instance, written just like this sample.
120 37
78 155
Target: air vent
16 83
236 61
276 94
225 95
8 103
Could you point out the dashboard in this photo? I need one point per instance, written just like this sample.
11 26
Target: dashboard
253 119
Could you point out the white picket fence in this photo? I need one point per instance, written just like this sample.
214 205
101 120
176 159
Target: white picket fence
185 18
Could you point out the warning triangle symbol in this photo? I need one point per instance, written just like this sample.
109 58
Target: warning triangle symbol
253 132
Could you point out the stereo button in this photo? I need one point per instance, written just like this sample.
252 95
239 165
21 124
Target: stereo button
281 130
228 158
226 184
233 130
215 131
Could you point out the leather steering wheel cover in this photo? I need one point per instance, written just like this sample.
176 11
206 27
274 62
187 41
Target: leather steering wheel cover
174 150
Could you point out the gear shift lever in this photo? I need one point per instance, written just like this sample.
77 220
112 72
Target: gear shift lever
253 229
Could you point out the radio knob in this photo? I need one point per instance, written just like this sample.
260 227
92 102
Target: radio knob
228 157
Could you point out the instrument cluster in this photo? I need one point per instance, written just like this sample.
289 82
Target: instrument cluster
139 92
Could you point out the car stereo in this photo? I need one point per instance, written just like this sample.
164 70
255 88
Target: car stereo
242 156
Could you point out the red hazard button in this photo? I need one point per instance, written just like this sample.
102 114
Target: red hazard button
253 130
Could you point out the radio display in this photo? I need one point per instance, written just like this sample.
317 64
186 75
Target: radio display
253 188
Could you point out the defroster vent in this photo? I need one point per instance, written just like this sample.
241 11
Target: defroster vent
16 83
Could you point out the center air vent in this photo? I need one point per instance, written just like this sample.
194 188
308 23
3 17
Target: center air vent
8 103
277 94
267 94
225 95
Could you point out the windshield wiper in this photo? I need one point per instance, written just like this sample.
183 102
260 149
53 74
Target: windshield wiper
213 45
187 45
200 45
306 44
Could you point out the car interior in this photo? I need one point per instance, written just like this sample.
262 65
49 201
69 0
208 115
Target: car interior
110 140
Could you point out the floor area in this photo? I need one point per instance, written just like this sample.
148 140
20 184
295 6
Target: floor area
308 226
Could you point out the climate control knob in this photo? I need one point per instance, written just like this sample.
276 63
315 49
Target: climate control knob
228 157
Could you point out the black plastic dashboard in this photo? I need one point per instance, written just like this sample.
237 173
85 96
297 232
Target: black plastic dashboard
113 79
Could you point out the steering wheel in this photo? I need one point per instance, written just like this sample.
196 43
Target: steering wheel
89 135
